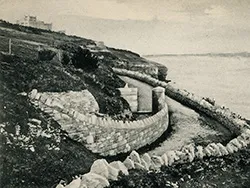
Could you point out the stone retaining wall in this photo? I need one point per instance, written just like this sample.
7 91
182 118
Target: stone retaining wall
101 135
101 171
223 115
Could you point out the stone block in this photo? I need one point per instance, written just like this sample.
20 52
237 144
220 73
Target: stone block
146 157
65 117
165 159
93 119
120 166
236 143
112 152
216 149
171 157
43 98
134 156
74 183
81 117
90 139
120 138
57 116
33 93
208 151
223 149
199 153
92 180
146 165
129 163
113 172
100 167
231 148
127 147
157 162
38 95
139 166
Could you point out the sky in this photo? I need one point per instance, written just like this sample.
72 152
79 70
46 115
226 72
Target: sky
146 26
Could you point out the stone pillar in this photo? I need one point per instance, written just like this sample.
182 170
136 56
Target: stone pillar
158 99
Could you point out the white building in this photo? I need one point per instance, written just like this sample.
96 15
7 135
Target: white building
31 21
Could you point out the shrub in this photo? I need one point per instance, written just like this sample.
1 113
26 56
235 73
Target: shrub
46 55
84 59
162 73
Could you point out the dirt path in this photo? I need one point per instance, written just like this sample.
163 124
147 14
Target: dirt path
187 125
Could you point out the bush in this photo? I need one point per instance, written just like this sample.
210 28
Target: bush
84 59
65 59
162 73
46 55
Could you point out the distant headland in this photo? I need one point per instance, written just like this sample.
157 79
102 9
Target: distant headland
236 54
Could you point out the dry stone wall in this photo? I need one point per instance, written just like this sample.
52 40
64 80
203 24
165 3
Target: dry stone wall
101 135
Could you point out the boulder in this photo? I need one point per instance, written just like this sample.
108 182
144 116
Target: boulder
120 166
134 156
190 157
139 166
146 165
199 153
129 163
38 95
171 157
90 139
100 167
43 98
165 159
48 101
92 180
33 93
112 172
146 157
74 183
157 162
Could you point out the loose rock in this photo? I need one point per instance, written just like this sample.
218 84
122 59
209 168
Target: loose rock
129 163
100 167
120 166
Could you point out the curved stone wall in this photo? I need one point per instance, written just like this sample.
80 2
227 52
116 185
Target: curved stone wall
97 177
101 171
223 115
101 135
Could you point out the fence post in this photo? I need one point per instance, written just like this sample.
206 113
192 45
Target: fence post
10 46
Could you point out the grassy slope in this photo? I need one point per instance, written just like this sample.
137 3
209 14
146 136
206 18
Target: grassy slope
34 160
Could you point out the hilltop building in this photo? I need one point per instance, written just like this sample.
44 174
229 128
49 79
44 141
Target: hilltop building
31 21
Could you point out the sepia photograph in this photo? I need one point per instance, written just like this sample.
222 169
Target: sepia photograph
124 93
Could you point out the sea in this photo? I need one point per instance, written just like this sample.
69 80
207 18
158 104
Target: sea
225 79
